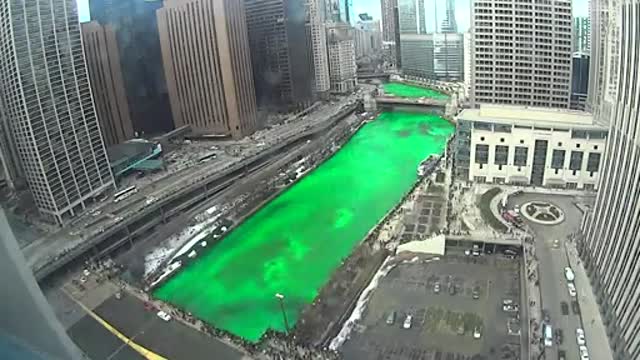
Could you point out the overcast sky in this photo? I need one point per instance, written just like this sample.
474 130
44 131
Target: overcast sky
580 8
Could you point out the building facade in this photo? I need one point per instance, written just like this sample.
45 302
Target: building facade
367 37
523 146
611 231
581 34
208 66
436 56
105 73
342 58
411 14
449 24
390 33
281 53
136 28
579 81
467 46
48 107
522 52
316 25
417 53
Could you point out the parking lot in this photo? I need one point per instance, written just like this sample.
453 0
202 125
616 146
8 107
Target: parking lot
469 300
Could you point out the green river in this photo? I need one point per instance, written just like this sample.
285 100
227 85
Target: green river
293 244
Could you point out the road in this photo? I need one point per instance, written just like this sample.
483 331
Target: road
551 263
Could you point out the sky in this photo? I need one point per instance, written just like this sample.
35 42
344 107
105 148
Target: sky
580 8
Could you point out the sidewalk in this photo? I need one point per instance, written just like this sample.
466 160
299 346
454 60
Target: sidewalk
595 332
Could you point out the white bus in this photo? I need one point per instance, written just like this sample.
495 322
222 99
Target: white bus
121 195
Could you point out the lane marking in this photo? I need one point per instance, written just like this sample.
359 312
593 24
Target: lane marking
146 353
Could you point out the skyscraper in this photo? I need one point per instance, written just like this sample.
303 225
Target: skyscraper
342 57
48 110
281 53
449 24
579 80
390 32
522 52
136 28
599 24
612 230
105 73
581 34
208 66
317 19
411 15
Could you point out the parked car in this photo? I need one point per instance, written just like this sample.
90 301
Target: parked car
476 292
562 355
559 336
568 274
584 352
556 243
572 289
476 333
580 339
452 289
510 308
575 307
164 316
564 308
407 322
436 287
391 318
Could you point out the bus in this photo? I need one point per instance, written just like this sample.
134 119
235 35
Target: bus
121 195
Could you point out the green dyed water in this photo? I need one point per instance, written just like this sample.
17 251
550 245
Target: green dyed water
410 91
294 243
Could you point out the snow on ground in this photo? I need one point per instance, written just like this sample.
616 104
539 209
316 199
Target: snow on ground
180 243
361 305
170 269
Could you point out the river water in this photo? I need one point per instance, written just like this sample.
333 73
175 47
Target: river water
294 243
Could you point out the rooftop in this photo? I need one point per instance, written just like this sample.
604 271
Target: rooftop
531 116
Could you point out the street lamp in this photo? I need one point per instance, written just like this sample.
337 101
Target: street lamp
284 314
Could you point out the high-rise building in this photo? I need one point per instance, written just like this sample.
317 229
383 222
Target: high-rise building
342 58
281 53
437 56
522 52
205 51
579 80
581 34
105 75
48 107
449 24
467 46
368 39
599 24
611 231
317 19
390 33
411 14
136 28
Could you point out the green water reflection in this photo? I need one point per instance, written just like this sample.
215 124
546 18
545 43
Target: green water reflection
410 91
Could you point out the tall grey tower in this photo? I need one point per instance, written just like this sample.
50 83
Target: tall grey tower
48 106
522 53
390 32
449 24
611 244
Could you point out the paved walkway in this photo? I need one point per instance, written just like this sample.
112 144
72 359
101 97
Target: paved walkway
595 332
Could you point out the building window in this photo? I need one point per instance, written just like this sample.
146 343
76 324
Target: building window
572 185
578 146
482 154
482 138
557 159
559 144
521 141
498 180
502 155
574 172
501 140
595 147
578 134
589 186
519 168
480 179
556 171
520 156
593 162
575 163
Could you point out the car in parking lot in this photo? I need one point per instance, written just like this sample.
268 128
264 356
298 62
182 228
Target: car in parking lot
407 322
164 316
477 334
476 292
580 339
559 336
436 287
452 288
568 274
562 355
510 308
572 289
564 308
391 318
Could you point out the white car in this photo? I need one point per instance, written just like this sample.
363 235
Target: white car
164 316
568 273
476 333
584 352
580 337
407 322
572 289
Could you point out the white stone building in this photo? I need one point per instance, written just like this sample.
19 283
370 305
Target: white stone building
529 146
342 58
